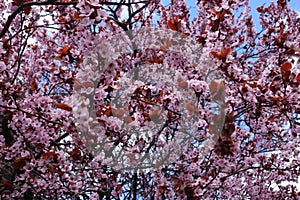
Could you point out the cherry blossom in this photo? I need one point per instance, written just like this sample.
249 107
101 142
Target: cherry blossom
89 111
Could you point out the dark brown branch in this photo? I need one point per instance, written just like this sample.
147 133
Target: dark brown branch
134 186
52 2
48 26
30 114
119 3
28 4
20 53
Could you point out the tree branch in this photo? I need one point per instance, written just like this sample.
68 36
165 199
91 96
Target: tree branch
28 4
56 3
